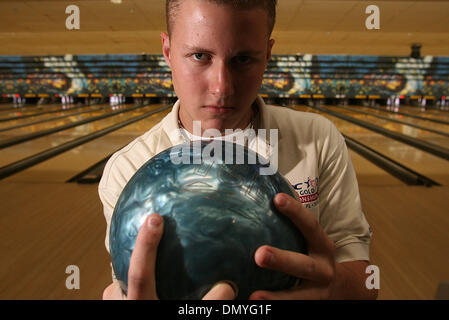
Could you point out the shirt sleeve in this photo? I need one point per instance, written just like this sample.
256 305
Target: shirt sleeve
109 199
341 214
109 190
117 172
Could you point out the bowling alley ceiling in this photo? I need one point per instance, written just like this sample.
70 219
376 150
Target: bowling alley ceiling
303 26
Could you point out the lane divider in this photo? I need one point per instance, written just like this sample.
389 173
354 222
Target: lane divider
403 173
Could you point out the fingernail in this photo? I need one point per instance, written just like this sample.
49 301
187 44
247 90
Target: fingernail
234 286
154 221
267 257
230 283
281 201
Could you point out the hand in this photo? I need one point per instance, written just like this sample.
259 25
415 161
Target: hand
317 270
141 273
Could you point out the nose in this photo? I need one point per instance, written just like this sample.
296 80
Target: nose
221 81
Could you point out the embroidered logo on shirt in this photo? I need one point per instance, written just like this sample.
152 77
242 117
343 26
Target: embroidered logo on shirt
308 192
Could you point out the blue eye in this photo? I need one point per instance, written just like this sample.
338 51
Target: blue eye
199 56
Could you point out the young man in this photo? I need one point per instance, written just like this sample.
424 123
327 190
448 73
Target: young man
218 51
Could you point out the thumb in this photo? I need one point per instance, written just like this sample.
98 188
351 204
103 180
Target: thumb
222 291
141 273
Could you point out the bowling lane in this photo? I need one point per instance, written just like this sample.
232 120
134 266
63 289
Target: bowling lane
47 116
68 164
6 105
428 113
28 148
369 174
22 111
397 127
423 123
10 105
420 161
59 122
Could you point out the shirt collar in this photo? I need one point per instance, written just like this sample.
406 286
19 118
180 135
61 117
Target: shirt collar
262 121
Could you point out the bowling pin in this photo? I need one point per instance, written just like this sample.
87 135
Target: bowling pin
423 104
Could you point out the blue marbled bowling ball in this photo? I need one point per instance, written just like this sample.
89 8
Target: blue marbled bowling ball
216 214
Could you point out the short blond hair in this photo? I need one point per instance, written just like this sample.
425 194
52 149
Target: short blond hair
172 6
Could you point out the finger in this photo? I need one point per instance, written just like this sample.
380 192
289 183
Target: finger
306 293
306 222
141 274
294 263
221 291
113 292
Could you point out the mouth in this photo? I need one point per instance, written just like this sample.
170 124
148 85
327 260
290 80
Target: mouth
218 109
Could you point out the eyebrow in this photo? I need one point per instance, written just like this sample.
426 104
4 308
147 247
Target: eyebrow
197 49
204 50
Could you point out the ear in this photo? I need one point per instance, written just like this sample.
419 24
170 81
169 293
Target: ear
166 47
270 46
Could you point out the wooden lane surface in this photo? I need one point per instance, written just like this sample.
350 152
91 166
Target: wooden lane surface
423 123
410 240
46 227
68 164
34 146
56 122
428 112
369 174
34 109
63 110
412 132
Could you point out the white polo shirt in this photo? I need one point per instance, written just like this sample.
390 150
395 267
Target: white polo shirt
312 155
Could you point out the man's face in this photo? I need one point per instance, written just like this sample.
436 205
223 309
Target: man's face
218 56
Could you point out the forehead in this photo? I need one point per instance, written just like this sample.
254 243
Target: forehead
197 19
